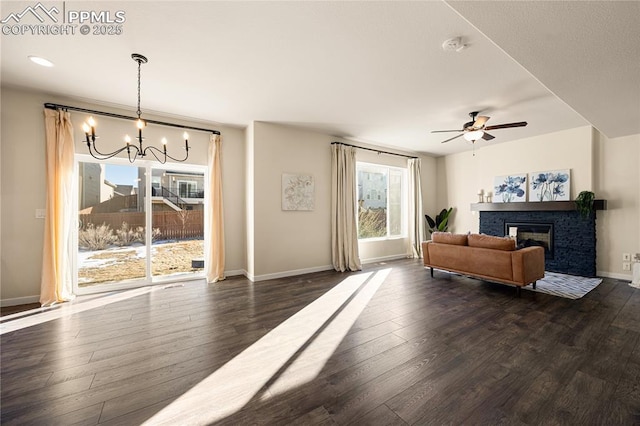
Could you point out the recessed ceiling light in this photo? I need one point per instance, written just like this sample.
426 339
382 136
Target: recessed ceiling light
41 61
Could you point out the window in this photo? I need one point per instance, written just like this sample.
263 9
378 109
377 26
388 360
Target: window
187 189
381 201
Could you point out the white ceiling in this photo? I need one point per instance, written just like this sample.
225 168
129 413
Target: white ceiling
370 71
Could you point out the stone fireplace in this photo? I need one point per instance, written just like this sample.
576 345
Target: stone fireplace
568 238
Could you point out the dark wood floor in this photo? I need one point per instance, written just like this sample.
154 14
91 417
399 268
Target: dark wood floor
443 350
8 310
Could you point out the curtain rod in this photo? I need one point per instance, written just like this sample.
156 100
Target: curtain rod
50 105
374 150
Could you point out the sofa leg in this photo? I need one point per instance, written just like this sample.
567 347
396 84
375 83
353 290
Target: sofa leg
431 272
518 290
534 285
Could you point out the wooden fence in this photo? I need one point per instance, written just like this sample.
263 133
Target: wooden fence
172 225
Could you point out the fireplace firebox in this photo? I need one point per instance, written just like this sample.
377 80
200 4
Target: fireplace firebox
529 234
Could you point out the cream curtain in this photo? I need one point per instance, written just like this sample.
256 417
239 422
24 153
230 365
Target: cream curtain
56 285
214 263
416 224
344 233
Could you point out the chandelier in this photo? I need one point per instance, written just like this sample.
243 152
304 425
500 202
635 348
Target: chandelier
133 151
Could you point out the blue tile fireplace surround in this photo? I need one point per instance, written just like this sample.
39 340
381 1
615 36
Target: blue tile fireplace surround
568 238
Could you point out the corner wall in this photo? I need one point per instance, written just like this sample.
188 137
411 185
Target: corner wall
617 179
289 242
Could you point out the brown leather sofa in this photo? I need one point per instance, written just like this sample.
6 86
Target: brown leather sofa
486 257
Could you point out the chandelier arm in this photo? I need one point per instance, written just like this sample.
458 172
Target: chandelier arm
102 156
151 149
129 153
180 161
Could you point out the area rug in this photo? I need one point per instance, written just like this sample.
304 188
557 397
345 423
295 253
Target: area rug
563 285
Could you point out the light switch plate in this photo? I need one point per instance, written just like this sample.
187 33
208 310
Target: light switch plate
626 257
40 213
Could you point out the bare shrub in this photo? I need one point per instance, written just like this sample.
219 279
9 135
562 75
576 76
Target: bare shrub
142 234
127 236
372 223
96 237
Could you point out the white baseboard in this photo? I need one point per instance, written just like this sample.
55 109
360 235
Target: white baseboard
290 273
235 273
623 277
385 258
19 301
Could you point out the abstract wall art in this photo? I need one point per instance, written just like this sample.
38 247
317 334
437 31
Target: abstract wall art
510 189
298 192
550 186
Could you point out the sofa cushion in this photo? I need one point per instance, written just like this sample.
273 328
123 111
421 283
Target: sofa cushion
491 242
449 238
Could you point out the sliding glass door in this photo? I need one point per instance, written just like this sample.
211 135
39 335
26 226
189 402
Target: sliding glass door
126 239
177 222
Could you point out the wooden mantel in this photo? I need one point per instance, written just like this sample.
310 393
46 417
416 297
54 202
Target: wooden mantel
533 206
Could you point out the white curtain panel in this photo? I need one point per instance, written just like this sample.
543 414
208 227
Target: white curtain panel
214 263
56 285
416 224
344 232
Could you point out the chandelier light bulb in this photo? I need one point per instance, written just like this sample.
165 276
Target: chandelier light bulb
140 123
85 128
91 122
127 139
164 141
185 136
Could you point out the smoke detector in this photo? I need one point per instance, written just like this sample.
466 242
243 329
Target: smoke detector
453 45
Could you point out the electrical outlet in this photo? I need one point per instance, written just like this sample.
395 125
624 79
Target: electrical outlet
626 257
626 266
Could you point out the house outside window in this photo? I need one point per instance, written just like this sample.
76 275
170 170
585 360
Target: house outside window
381 201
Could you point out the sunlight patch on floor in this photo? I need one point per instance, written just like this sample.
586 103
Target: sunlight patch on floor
288 356
42 315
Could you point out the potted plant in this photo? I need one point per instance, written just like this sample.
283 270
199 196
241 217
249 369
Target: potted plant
584 203
441 221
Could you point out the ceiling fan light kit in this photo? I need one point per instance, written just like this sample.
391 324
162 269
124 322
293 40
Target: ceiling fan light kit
473 135
476 129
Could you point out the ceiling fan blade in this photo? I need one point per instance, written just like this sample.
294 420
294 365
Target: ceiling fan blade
450 139
506 125
487 136
445 131
480 122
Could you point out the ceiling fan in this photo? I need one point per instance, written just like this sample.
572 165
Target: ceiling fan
476 129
